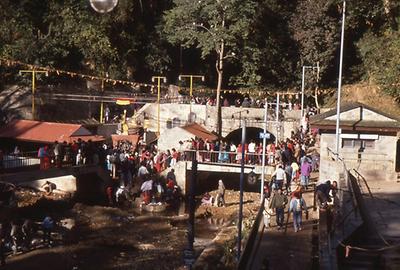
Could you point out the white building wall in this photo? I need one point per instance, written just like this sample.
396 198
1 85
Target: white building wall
170 138
377 163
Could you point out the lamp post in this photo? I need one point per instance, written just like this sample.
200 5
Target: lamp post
158 78
103 6
303 86
33 72
340 80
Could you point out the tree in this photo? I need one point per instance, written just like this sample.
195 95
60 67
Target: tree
315 28
216 27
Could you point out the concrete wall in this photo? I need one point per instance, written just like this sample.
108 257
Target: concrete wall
63 184
377 163
170 138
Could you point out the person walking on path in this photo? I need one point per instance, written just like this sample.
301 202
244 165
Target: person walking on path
280 177
278 203
306 169
297 205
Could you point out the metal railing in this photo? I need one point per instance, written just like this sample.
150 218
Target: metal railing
25 159
205 156
249 252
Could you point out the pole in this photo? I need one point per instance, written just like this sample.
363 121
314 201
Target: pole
340 80
302 92
158 78
189 252
263 152
239 243
33 72
158 105
277 119
102 103
191 87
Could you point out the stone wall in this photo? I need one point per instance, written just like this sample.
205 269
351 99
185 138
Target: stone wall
377 163
181 114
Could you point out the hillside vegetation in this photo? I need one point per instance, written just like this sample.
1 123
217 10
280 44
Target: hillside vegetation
234 43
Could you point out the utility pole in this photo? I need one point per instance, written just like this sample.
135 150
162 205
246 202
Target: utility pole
158 78
340 81
33 72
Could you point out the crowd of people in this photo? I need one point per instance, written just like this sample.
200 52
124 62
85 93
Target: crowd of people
288 102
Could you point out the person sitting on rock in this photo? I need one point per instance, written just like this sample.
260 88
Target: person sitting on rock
121 195
49 187
207 199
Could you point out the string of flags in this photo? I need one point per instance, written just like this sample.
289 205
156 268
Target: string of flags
9 62
260 93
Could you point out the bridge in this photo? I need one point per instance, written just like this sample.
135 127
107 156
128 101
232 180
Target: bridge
83 181
173 114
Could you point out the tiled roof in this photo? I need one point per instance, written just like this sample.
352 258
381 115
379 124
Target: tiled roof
199 131
46 132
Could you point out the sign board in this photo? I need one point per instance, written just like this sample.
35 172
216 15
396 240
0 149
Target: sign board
265 135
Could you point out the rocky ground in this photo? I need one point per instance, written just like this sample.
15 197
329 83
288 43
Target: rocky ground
99 237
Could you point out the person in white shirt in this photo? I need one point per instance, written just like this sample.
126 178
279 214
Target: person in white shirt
252 151
280 176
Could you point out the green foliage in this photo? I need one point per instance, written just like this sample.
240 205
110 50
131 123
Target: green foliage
257 44
68 34
316 30
216 28
382 65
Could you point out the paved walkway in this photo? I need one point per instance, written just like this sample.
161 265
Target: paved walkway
385 212
290 250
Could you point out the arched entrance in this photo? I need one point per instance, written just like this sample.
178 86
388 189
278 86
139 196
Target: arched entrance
252 133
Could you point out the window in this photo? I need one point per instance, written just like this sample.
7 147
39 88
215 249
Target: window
358 144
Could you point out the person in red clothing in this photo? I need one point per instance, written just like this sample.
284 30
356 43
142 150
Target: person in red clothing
46 158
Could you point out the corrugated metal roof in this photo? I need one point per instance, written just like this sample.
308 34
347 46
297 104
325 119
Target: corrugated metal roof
350 106
46 132
358 125
320 120
199 131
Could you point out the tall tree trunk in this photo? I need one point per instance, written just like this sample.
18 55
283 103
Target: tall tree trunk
219 67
